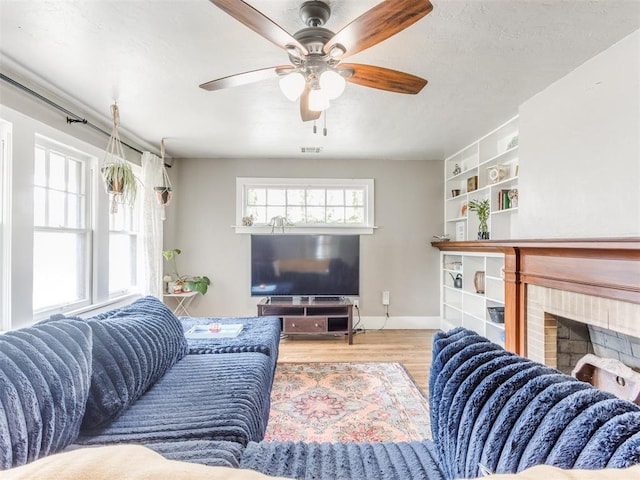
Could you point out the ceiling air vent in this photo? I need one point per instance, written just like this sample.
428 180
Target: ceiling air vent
310 149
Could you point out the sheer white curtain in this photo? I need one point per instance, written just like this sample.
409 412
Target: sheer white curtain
151 234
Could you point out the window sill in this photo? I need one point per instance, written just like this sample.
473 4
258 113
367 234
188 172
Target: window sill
111 304
305 229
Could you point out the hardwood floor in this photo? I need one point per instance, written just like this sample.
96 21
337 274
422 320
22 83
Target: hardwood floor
412 348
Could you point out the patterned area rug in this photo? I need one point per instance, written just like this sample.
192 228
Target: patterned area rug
346 402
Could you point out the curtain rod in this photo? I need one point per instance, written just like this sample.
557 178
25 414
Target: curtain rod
71 117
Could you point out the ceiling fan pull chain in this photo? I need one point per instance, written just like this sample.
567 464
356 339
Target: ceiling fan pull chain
324 130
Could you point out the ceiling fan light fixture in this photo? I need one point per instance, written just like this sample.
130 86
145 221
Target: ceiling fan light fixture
332 84
294 52
318 100
337 51
292 85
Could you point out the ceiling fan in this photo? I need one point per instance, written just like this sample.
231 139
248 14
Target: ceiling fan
316 74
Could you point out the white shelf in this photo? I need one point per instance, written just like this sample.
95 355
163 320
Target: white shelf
455 307
499 326
507 156
497 149
466 307
504 211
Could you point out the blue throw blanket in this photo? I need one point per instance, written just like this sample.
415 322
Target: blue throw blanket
259 334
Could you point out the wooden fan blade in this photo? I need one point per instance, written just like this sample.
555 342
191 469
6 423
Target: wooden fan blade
383 78
245 78
259 23
379 23
306 114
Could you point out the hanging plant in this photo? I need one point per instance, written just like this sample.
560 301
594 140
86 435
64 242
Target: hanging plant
163 195
119 180
163 192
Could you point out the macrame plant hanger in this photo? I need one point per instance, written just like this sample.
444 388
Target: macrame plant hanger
117 174
164 192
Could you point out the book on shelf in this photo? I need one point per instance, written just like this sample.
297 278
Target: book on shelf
504 202
214 330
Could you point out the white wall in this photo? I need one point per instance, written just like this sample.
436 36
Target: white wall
580 151
397 257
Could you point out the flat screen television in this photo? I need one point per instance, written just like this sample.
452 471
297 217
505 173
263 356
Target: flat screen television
305 265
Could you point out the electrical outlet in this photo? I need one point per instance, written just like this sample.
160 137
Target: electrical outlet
356 302
385 297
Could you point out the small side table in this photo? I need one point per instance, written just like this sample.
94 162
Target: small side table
182 301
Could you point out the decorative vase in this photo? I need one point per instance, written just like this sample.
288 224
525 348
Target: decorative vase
483 235
478 281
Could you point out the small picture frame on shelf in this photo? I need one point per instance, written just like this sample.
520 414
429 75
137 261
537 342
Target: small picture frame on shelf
460 233
497 173
472 183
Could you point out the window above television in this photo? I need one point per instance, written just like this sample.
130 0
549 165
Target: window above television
304 205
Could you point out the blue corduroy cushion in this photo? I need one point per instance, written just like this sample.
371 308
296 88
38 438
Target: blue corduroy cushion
606 440
555 421
354 461
465 348
626 454
211 397
208 452
579 432
45 373
509 413
133 347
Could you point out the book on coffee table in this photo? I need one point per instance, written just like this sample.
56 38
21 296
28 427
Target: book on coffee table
214 330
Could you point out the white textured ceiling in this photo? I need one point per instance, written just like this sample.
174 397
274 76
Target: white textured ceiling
482 59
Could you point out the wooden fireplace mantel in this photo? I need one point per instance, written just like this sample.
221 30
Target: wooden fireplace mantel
602 267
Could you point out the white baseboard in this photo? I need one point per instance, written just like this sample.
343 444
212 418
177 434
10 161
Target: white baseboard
398 323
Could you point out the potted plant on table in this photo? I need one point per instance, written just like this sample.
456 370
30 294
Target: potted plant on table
186 283
482 209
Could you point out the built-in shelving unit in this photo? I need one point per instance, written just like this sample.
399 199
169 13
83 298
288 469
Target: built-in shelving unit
488 168
465 304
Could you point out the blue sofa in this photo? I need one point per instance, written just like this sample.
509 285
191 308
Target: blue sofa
488 407
126 377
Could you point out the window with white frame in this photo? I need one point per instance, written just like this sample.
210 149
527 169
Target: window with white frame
306 202
124 227
62 249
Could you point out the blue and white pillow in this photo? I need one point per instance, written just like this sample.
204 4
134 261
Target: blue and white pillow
45 373
133 347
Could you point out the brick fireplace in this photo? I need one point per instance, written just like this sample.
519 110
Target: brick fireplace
546 306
